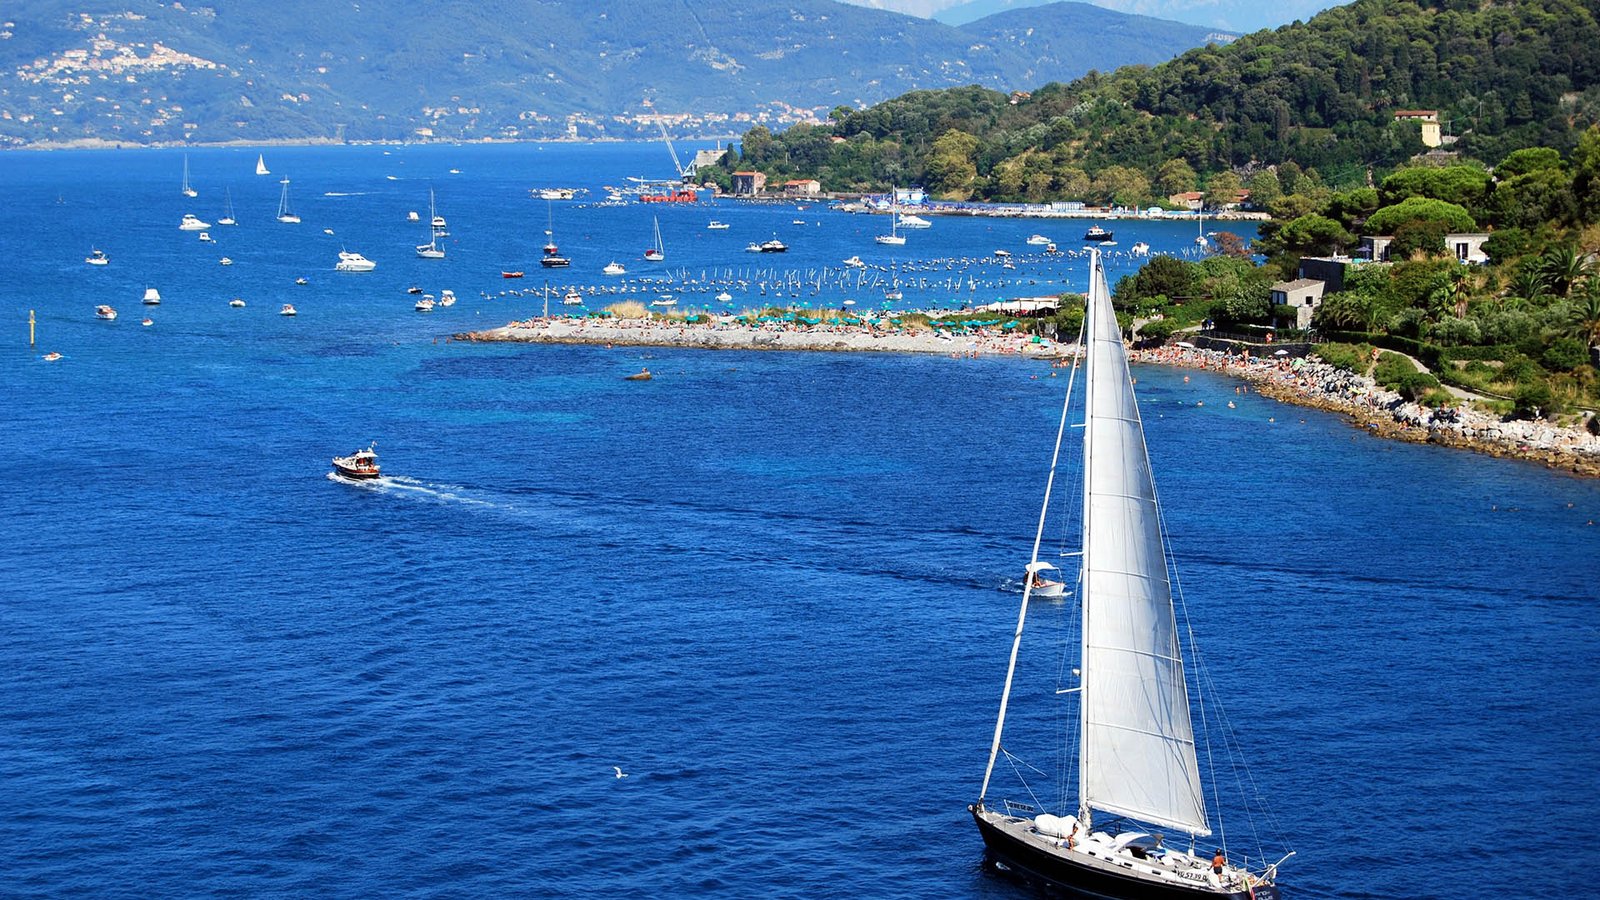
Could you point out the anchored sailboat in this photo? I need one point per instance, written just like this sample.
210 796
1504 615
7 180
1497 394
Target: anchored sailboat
1135 742
261 165
284 214
656 253
187 190
431 250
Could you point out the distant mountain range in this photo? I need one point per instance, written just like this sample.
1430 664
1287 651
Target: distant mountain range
147 71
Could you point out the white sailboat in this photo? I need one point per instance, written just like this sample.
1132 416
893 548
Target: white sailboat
431 250
894 238
261 165
1135 743
656 253
227 218
187 190
285 215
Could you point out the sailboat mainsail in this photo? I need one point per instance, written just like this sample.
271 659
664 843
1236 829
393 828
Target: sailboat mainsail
1137 753
261 165
186 189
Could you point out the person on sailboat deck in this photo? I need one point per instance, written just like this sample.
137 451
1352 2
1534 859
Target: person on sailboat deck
1217 862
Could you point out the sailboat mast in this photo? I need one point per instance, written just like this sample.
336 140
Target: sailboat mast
1090 322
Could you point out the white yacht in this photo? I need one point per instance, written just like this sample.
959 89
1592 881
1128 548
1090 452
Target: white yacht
447 297
425 304
353 262
97 258
911 221
1038 240
191 222
615 268
152 297
572 298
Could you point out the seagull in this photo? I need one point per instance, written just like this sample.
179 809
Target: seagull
620 773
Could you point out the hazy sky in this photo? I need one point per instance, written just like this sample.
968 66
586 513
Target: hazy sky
1228 15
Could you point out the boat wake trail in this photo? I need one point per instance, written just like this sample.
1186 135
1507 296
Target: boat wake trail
401 485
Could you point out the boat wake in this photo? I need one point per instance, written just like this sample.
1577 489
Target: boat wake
345 193
403 486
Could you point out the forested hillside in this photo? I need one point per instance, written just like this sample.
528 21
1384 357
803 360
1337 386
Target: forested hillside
1321 94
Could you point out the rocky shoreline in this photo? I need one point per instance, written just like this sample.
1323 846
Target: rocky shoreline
1306 382
1387 414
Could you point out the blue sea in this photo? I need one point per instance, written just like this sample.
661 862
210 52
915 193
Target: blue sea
776 590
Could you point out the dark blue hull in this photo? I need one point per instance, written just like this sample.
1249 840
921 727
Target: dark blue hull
1060 876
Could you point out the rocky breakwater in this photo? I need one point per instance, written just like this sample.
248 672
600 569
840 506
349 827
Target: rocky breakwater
725 334
1388 414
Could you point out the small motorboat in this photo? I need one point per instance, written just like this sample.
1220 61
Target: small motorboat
152 297
52 356
104 312
97 258
205 237
147 322
855 262
299 281
724 297
447 297
1097 234
1050 248
413 217
192 222
1140 249
615 268
360 465
287 310
665 300
641 375
752 247
425 304
225 261
510 274
236 303
714 225
773 246
1042 586
1038 240
413 290
572 298
1002 254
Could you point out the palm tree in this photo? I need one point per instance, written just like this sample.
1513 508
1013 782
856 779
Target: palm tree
1562 267
1586 313
1528 283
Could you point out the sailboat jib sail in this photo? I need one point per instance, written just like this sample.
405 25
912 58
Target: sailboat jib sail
1138 754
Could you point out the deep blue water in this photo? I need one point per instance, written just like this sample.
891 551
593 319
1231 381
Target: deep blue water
776 589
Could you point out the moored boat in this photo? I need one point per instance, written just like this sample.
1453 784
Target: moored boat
614 268
285 214
424 303
361 465
1096 234
97 258
774 246
353 262
104 312
1038 240
152 297
191 222
447 298
714 225
287 310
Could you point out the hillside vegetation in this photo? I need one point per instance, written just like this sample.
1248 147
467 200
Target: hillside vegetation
1321 94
